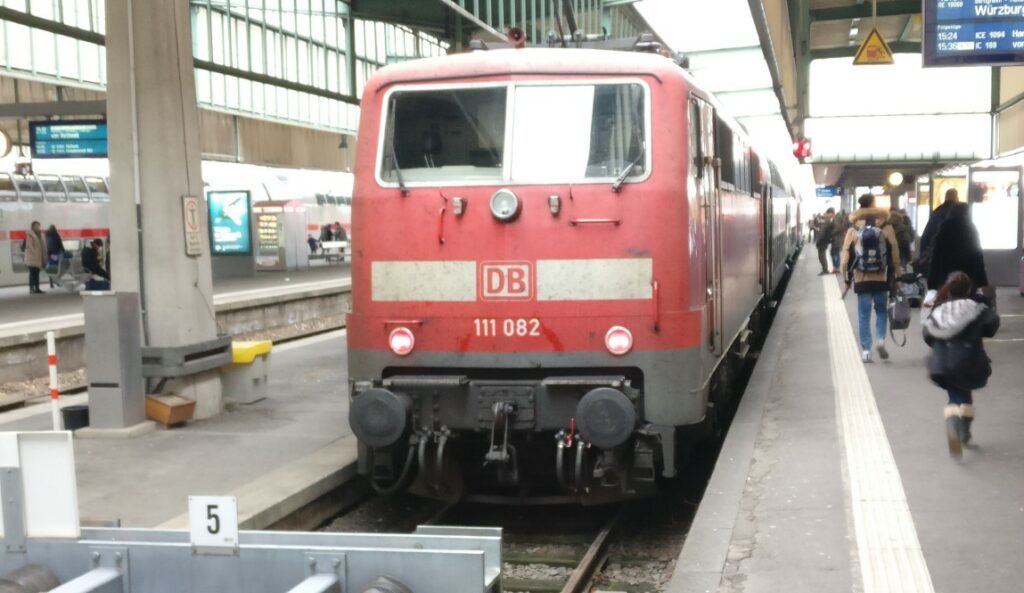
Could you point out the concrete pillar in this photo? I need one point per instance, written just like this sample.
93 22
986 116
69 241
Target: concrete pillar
154 161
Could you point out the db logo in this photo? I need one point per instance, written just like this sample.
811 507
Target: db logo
505 281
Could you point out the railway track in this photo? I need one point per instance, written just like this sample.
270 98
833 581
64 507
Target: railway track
561 554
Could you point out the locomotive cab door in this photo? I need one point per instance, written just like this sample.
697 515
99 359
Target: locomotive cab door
709 186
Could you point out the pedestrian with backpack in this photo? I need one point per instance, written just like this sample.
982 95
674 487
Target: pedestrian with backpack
870 257
958 363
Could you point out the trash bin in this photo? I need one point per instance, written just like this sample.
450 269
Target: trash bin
75 417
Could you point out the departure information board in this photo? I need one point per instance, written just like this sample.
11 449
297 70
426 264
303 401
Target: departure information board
68 139
973 32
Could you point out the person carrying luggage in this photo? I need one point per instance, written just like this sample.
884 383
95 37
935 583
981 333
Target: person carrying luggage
958 363
870 257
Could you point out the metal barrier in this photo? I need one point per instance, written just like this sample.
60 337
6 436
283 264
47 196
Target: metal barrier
43 543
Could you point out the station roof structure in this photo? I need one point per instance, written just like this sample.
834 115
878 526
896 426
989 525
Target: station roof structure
782 67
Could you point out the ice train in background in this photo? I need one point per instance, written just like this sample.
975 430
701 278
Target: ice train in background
77 200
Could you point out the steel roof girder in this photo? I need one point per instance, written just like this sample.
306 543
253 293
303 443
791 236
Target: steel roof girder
863 10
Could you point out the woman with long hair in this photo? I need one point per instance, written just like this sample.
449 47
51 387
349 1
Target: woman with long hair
954 330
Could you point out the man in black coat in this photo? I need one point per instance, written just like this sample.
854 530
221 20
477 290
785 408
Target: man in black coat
823 240
950 243
91 259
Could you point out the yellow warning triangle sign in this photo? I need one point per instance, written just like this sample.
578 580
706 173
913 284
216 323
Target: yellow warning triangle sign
874 50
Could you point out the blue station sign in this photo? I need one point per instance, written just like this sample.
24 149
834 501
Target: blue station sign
828 191
68 139
973 32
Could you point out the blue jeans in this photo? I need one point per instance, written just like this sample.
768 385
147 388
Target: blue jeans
864 301
959 396
835 257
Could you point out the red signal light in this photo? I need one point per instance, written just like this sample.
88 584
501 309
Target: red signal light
802 150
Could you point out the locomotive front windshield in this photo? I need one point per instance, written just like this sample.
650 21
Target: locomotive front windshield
516 134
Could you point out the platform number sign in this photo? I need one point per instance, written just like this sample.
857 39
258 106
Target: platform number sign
213 524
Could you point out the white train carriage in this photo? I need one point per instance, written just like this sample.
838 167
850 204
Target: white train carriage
77 205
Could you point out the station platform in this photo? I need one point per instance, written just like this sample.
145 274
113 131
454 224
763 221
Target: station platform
835 474
57 309
275 456
270 306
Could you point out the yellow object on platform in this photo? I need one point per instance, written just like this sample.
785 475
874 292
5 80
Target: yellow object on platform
246 352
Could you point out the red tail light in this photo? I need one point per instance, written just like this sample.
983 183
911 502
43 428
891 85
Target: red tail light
618 340
401 341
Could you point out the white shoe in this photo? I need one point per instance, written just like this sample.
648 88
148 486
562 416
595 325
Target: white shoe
865 356
882 352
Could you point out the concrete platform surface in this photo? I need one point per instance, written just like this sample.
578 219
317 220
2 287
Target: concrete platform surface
23 313
835 475
274 455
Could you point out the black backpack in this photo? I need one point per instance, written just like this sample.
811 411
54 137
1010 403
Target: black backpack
870 248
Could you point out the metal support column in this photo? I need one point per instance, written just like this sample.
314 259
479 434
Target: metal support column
350 54
803 67
154 163
997 74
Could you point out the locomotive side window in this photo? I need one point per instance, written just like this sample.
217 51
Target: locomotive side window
575 132
445 135
755 174
724 140
695 156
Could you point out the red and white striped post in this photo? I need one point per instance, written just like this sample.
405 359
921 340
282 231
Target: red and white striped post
51 351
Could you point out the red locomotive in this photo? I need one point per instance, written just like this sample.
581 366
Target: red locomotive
557 256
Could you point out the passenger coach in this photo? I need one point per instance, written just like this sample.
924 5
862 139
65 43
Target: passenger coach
558 256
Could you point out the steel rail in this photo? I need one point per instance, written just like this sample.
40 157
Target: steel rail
583 575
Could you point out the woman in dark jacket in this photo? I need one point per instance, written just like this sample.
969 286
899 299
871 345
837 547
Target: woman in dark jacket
55 251
958 362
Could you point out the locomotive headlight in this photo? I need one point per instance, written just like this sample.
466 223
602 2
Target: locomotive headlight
401 341
505 205
618 340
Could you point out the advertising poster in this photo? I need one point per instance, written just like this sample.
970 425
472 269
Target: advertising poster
230 229
995 206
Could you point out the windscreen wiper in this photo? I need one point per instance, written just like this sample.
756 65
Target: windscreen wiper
394 155
398 170
617 184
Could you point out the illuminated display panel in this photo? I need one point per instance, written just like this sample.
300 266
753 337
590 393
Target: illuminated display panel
230 230
994 196
973 32
68 139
